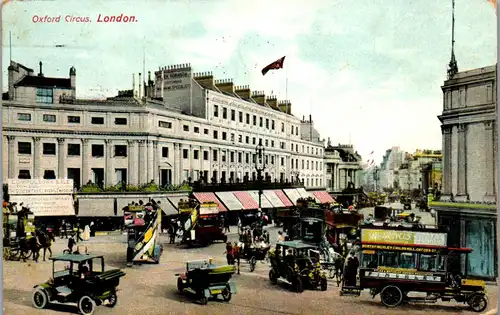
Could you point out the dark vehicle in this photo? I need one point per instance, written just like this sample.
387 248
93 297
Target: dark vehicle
406 202
291 261
18 230
202 223
254 254
395 268
382 213
205 280
79 279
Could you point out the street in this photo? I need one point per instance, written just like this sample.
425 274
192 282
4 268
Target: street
151 289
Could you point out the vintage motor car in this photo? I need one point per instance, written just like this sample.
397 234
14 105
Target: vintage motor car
79 279
291 261
206 280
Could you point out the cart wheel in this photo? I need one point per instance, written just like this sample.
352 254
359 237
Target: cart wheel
253 262
203 300
180 285
391 296
40 298
273 276
112 300
323 284
478 303
226 294
86 305
298 286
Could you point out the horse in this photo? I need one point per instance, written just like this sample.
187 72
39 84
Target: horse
28 246
44 241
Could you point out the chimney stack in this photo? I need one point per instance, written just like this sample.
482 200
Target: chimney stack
310 118
243 91
285 107
259 97
205 79
272 101
41 72
225 85
139 94
133 85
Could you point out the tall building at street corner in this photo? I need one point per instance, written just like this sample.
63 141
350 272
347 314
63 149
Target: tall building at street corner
391 162
176 126
343 167
468 197
410 175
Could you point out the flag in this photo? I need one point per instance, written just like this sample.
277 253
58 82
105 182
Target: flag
278 64
494 4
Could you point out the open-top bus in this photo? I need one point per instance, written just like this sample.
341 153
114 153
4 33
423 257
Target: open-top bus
399 263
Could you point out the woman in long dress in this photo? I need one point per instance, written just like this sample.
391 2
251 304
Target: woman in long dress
86 233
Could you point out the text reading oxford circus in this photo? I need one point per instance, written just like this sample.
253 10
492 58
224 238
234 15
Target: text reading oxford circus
153 162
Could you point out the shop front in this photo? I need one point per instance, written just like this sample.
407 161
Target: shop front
472 226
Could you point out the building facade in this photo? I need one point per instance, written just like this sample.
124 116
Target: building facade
409 174
391 162
180 126
343 167
469 186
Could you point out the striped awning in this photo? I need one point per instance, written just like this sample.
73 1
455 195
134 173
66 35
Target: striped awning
264 202
323 197
209 197
283 198
273 199
293 195
229 200
304 193
246 200
174 201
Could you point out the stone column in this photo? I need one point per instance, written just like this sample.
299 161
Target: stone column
462 162
60 158
200 157
108 178
142 162
180 164
151 161
36 157
191 167
156 169
490 162
132 162
447 158
175 168
12 156
85 161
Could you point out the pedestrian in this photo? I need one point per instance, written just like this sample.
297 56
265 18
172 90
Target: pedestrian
229 254
71 243
92 229
171 233
226 226
281 237
64 233
78 232
237 256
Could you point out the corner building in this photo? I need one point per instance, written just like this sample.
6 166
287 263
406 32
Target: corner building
175 127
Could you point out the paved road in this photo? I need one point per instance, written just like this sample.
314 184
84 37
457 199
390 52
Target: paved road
151 289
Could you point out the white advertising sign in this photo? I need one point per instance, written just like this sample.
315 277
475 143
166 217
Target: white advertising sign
47 205
40 186
209 210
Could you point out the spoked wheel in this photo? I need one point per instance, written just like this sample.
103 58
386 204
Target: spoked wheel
391 296
86 305
112 300
40 298
226 294
180 285
323 284
298 286
340 278
252 262
273 276
478 303
203 300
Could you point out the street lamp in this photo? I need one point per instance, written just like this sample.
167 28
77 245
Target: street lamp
375 176
260 166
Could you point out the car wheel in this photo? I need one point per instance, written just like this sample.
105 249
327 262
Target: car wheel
180 285
40 298
391 296
112 300
253 262
478 303
323 284
203 300
86 305
226 294
298 286
273 276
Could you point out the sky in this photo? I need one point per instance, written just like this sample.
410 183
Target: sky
369 72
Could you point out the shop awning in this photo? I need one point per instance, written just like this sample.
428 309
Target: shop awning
174 202
47 205
273 199
97 208
283 198
293 195
167 207
209 197
304 193
229 200
247 201
323 197
264 202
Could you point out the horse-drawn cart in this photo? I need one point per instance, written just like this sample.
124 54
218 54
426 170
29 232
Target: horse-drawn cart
18 233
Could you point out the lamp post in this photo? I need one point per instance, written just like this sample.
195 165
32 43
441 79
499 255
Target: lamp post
260 166
375 176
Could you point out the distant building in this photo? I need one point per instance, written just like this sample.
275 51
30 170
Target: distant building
391 162
343 165
409 174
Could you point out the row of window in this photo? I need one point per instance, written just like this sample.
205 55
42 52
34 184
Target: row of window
72 119
269 124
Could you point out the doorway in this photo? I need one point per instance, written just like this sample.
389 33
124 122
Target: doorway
74 174
165 177
98 177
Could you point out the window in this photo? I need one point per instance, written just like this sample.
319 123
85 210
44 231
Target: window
49 174
196 129
185 128
282 163
231 157
261 122
24 117
214 155
45 96
73 119
282 127
247 158
121 150
216 134
233 115
232 137
291 131
267 123
223 156
49 149
73 149
216 110
196 154
97 150
224 113
164 124
24 174
97 120
224 136
248 119
120 121
254 120
240 114
297 131
291 146
240 156
205 131
240 138
247 139
185 153
272 143
253 140
24 147
205 155
272 124
266 142
272 159
49 118
164 152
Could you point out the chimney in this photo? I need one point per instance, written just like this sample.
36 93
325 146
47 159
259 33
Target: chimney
272 101
139 93
285 107
41 72
225 85
310 119
205 79
259 97
72 79
149 78
133 84
243 91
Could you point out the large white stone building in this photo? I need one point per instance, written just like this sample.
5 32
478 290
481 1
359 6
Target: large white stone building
185 126
343 167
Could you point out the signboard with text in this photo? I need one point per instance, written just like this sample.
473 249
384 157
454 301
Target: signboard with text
403 238
39 186
174 85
